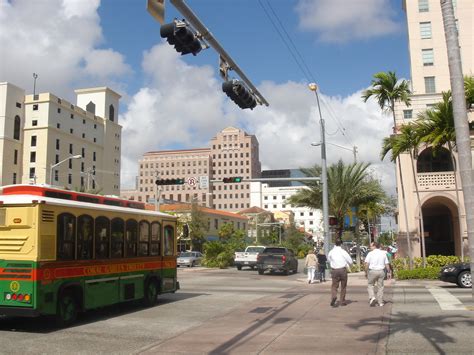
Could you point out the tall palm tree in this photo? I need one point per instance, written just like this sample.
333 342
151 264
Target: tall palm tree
407 142
436 127
388 90
348 186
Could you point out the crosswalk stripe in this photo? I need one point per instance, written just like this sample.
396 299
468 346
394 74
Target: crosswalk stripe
446 301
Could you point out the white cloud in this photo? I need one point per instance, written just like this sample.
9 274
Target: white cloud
58 39
343 20
183 107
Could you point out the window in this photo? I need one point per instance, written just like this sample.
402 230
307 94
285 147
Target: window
66 236
14 178
70 148
102 237
18 105
58 125
425 30
15 156
131 238
90 107
93 156
117 228
59 110
155 241
57 144
32 157
32 173
423 6
407 114
69 179
144 238
35 107
34 122
169 240
427 56
16 128
85 234
430 87
111 113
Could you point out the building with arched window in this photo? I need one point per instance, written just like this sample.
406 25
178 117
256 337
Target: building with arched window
439 186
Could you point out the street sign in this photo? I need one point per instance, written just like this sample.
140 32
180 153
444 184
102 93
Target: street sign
203 182
192 181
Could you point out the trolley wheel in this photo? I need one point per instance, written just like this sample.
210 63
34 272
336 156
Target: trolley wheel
151 293
67 310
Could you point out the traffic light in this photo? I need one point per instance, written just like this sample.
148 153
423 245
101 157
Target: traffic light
181 37
238 92
170 181
229 180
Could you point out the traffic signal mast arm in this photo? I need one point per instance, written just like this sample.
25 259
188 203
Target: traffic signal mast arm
209 38
226 179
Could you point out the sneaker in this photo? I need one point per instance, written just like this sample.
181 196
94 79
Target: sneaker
333 302
372 302
309 281
343 303
381 304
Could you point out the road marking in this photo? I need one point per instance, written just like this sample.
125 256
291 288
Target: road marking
446 301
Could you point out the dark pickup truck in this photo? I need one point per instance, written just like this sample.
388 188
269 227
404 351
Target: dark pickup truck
277 259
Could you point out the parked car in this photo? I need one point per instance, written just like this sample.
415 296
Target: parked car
459 274
277 259
189 258
247 257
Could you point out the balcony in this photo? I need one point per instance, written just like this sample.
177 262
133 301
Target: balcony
436 181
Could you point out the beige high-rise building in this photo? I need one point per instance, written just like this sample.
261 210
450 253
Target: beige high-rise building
442 203
46 139
232 153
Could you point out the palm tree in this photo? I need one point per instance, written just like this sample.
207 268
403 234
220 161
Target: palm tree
348 186
436 128
388 90
407 142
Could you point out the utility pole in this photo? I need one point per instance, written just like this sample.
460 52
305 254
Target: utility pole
313 87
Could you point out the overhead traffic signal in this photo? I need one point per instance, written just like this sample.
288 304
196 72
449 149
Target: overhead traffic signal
228 180
238 92
170 181
181 37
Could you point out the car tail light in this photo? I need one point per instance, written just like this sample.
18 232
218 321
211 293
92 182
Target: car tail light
283 258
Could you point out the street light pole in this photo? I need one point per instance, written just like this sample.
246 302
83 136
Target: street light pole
51 169
324 177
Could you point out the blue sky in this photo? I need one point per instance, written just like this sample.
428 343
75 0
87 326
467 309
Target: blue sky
175 102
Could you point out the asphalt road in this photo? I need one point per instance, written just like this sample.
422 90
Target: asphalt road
128 328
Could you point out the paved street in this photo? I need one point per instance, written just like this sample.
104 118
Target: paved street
230 311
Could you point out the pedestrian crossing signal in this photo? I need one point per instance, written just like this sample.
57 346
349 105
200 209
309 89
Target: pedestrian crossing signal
228 180
178 181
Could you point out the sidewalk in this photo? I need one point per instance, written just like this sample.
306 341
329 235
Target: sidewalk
300 321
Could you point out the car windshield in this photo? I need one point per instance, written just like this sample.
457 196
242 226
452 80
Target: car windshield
255 249
185 255
275 250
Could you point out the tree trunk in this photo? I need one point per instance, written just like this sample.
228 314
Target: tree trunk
420 213
460 120
410 256
457 197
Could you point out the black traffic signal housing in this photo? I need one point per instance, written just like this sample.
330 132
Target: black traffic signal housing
332 221
238 92
228 180
181 37
178 181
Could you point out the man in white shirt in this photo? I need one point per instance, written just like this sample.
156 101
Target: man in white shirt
375 263
339 259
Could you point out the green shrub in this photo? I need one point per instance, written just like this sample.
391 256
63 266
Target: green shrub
431 273
432 261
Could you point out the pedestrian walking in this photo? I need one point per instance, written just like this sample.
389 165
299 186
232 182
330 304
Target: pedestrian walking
322 259
339 260
376 262
311 263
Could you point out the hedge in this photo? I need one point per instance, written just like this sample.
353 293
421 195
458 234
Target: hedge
434 263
